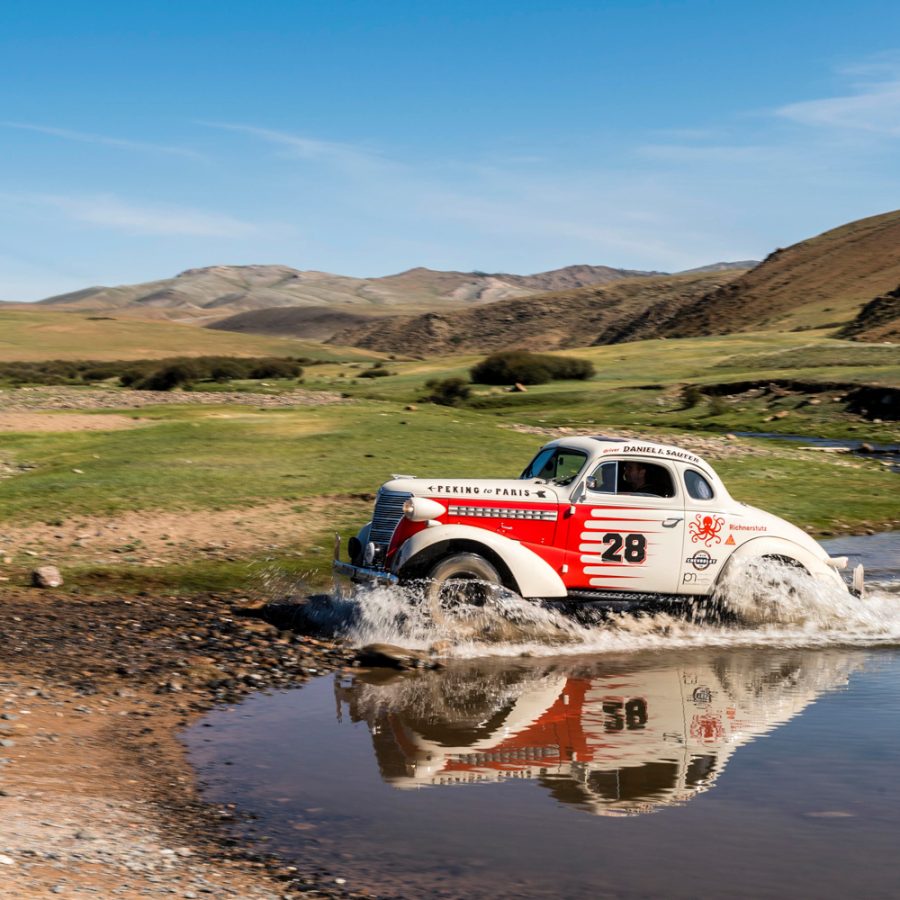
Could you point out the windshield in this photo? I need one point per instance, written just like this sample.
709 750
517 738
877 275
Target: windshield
557 464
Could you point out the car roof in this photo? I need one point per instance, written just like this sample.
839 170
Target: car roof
608 444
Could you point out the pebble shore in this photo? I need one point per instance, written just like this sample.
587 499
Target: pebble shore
96 797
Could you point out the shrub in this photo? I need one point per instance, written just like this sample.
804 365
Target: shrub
169 377
227 370
511 366
277 368
376 372
447 392
691 395
132 372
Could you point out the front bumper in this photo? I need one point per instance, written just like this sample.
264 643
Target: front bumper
359 574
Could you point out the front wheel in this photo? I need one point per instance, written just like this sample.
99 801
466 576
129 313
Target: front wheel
458 581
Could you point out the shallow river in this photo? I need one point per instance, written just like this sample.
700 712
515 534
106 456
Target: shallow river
648 758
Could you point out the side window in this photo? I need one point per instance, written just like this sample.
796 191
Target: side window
603 481
644 479
697 486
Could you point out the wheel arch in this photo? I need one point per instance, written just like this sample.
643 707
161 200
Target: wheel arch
782 550
425 560
521 569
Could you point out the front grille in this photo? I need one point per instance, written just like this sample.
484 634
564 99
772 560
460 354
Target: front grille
388 512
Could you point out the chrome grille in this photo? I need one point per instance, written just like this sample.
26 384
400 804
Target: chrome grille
388 512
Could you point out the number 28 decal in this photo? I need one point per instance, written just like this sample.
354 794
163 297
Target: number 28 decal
635 547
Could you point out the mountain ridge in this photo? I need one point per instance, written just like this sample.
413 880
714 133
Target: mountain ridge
208 293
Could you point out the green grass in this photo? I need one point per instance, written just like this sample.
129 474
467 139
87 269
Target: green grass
220 457
228 457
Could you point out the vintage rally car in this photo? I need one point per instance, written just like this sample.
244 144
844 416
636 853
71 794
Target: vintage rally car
590 519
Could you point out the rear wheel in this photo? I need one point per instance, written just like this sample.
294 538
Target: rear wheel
464 579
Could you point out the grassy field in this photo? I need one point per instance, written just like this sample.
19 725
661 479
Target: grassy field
640 385
319 465
39 334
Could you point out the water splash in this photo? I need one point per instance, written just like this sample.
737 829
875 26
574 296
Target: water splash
762 604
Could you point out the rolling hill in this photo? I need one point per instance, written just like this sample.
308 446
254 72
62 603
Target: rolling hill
31 333
627 309
203 296
817 283
825 282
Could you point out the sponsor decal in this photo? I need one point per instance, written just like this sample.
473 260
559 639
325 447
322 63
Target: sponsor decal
702 695
701 560
471 490
748 527
707 728
696 578
454 489
705 529
730 540
649 450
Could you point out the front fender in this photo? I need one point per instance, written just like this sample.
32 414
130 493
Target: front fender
782 547
534 577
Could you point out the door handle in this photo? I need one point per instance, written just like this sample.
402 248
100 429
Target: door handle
671 523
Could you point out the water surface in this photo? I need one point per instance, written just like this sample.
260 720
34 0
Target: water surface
669 759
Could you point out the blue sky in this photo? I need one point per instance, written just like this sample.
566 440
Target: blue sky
141 139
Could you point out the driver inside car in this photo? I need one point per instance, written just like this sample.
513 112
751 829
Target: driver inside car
636 478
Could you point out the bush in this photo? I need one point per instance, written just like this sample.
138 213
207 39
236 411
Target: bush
520 366
447 392
277 368
376 372
691 395
169 377
227 370
132 372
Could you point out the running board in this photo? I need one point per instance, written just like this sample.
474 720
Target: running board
626 597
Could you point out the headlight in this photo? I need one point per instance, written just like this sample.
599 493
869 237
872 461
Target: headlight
421 509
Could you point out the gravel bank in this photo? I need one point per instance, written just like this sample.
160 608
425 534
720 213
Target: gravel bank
96 798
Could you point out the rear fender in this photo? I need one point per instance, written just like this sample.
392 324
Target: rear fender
525 571
781 548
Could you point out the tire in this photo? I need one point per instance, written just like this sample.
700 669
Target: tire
464 579
765 593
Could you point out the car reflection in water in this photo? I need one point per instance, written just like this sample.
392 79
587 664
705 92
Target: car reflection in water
606 738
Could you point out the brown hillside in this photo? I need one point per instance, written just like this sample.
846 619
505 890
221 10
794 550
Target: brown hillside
627 309
878 320
314 323
819 282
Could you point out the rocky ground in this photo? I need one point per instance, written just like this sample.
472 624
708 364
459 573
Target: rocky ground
30 399
96 797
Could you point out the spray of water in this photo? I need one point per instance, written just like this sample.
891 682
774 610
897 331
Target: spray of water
762 603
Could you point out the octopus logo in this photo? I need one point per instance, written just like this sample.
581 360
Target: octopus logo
705 529
707 728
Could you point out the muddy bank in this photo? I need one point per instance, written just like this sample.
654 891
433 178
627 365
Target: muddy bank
96 797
